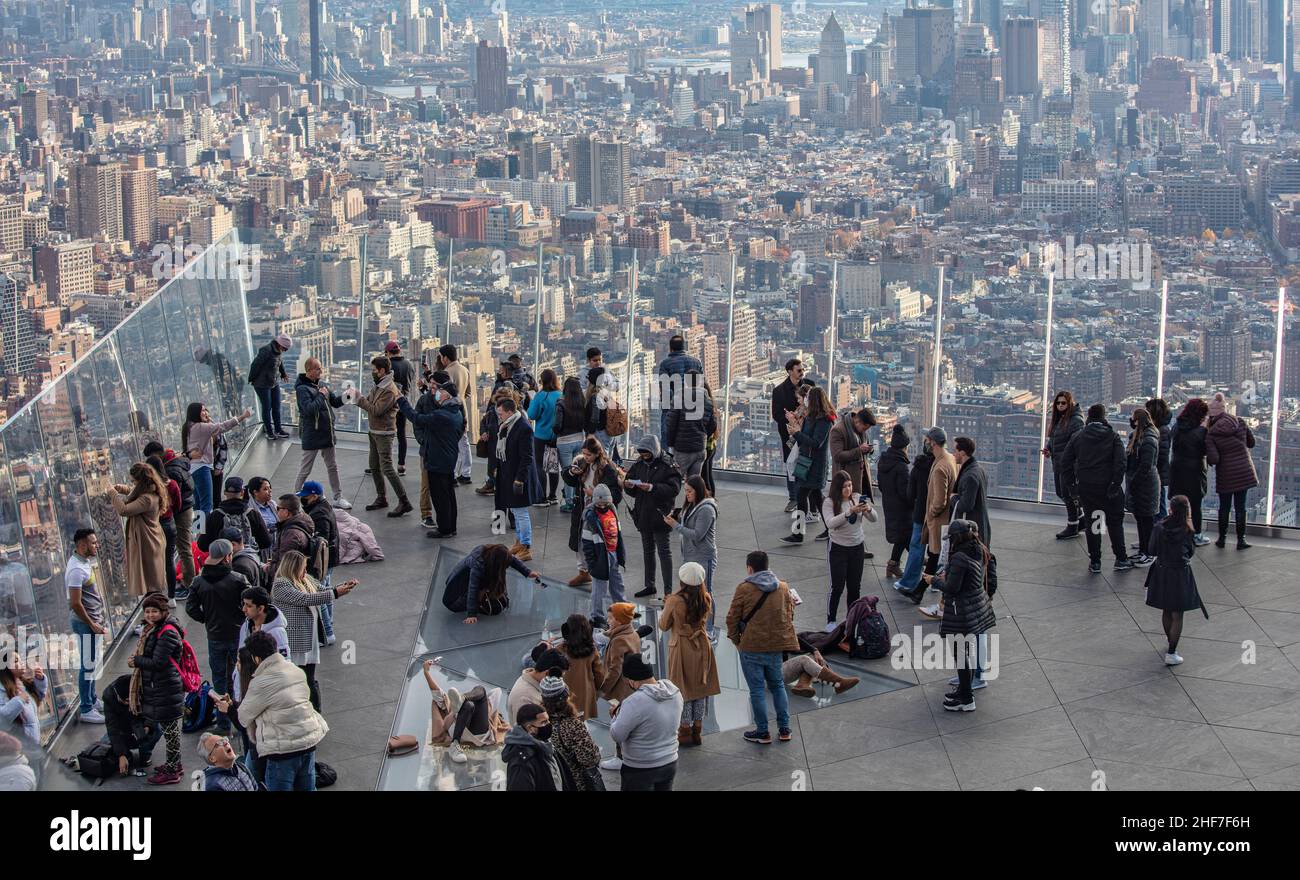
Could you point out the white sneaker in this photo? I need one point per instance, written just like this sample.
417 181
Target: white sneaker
830 627
614 763
1173 659
454 699
91 717
457 754
812 516
342 503
99 705
932 612
171 603
329 640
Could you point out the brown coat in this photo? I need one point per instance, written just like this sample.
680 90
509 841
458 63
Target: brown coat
691 664
146 545
771 629
622 639
938 498
381 405
846 456
584 677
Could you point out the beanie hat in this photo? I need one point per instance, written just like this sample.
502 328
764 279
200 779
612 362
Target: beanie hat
959 527
1218 406
622 612
691 574
285 341
157 601
602 493
937 436
553 688
635 668
899 439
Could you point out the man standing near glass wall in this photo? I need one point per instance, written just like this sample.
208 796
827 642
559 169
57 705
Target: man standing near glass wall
87 620
265 375
785 399
381 406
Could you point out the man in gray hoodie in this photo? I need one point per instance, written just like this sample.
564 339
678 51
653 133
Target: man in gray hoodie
645 728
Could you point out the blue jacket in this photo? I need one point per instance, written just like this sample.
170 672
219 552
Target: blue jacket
593 545
438 430
315 414
542 412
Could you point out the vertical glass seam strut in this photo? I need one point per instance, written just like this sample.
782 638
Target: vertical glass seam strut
361 329
627 370
1277 402
1047 378
830 361
451 251
937 356
731 345
537 325
1160 356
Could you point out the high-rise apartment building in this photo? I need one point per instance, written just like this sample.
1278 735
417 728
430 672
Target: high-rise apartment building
1022 57
139 201
68 269
601 167
17 336
95 199
490 72
755 42
924 40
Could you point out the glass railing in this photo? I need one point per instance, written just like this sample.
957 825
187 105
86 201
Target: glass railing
61 454
979 351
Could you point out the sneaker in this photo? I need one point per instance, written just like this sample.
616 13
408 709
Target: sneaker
545 502
171 603
789 508
137 630
952 704
1200 540
812 516
162 776
377 504
1094 568
456 753
282 434
977 684
465 481
438 533
566 507
428 523
825 536
91 717
1143 561
830 626
454 699
1173 659
614 763
342 503
1242 545
793 539
182 593
329 639
1070 531
933 612
99 705
762 738
784 735
642 594
1123 564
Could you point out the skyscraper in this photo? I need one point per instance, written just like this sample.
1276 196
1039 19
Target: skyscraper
490 68
139 201
832 56
601 166
756 42
682 99
1054 48
95 199
317 62
17 337
925 42
36 110
1022 67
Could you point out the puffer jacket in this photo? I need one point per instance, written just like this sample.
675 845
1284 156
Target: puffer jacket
293 533
1162 459
315 414
650 508
698 531
918 483
772 627
215 602
610 478
891 480
438 430
594 549
1188 470
162 696
1059 438
966 606
532 765
689 429
178 469
1142 475
323 518
1094 461
267 367
1227 446
235 512
277 710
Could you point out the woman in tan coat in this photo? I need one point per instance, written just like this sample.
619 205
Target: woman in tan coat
623 638
691 664
586 672
146 545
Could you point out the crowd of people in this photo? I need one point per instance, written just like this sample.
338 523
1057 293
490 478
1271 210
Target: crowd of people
258 576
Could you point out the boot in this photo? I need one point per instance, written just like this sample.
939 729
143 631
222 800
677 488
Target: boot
842 683
803 687
579 579
683 735
697 728
515 548
525 553
893 569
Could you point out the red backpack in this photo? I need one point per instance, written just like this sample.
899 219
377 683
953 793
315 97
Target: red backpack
191 677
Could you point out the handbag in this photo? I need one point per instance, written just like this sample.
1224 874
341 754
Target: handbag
592 779
402 744
615 420
802 465
551 460
483 448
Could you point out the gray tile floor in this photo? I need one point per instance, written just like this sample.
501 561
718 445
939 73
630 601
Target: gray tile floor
1082 698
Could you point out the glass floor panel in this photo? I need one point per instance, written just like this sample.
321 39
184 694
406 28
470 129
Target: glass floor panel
492 653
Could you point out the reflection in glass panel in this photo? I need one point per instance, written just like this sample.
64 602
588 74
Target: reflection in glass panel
18 619
147 357
112 459
36 497
184 375
1286 460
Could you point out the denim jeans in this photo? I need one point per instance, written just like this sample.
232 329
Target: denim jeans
90 646
915 560
222 657
291 774
269 398
763 671
523 525
611 589
327 610
202 476
609 445
566 452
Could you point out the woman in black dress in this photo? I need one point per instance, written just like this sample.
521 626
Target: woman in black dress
1171 586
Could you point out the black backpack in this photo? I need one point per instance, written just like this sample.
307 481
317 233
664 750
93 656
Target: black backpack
317 552
325 775
97 761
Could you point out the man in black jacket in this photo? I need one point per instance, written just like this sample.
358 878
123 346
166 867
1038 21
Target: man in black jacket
972 488
245 561
405 377
918 482
1093 468
690 420
216 602
234 512
653 483
265 375
531 762
785 399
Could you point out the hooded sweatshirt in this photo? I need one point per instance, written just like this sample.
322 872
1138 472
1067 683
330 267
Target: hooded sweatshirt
771 628
531 764
646 725
272 626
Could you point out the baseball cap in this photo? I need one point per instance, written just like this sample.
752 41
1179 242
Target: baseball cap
311 487
392 347
234 484
937 435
